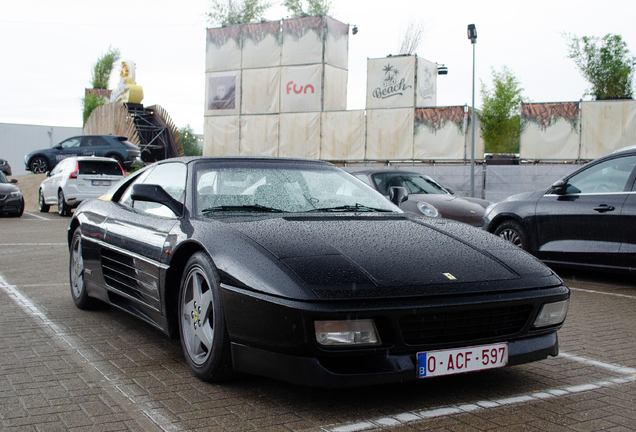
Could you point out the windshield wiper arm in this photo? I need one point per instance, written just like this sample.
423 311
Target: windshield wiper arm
242 208
351 208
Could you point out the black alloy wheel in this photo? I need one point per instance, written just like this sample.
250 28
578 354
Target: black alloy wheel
204 337
39 165
76 275
513 232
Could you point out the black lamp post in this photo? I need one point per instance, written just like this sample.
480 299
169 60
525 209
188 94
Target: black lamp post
472 35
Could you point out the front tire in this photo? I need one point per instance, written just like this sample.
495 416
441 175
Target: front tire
204 338
513 232
39 165
43 206
62 208
76 275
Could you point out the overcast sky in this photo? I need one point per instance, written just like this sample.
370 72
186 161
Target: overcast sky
49 47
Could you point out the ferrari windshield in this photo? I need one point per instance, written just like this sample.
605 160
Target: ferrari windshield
279 188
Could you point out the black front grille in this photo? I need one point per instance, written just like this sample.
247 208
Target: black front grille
463 326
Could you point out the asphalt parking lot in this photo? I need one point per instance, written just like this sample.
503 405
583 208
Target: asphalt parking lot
66 369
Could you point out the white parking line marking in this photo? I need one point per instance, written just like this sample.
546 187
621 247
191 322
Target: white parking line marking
411 417
33 244
27 305
36 216
601 292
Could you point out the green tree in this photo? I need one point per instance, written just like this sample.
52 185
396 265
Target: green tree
314 7
605 63
499 116
229 12
104 67
189 142
89 103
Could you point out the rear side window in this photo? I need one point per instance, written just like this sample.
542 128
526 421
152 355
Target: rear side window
99 167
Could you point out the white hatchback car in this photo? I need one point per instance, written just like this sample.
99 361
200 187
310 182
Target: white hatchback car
76 179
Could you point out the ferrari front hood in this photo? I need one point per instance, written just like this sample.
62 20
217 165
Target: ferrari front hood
388 251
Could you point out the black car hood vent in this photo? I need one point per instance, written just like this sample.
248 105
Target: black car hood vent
373 251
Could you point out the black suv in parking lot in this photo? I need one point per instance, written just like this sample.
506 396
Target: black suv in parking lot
113 146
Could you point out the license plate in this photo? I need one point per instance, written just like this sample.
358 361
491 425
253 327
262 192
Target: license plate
460 360
100 182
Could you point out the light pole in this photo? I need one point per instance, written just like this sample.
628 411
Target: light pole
472 35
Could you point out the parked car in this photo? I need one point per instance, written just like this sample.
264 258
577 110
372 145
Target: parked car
587 219
76 179
296 270
11 199
426 196
5 167
113 146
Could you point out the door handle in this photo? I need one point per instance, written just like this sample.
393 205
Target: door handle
604 208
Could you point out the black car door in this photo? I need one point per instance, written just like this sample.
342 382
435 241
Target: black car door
94 146
133 258
67 148
628 229
583 224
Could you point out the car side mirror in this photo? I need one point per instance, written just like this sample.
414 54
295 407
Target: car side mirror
48 173
58 147
559 187
398 194
13 181
157 194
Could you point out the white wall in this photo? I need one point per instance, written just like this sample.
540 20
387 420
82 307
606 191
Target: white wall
17 140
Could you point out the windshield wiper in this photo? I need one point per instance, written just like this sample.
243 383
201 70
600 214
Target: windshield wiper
351 208
242 208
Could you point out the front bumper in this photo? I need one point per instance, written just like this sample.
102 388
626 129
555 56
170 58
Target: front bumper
275 337
371 370
11 204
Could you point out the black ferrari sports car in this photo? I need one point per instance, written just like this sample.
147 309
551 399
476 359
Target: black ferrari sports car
296 270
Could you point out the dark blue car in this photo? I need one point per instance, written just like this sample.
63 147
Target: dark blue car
113 146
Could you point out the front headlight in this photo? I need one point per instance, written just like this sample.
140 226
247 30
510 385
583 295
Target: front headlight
427 210
346 332
17 194
551 314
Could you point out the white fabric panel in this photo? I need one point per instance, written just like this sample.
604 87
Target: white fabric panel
221 136
390 82
556 141
337 44
343 134
445 143
426 95
223 93
259 135
607 126
261 45
223 49
261 91
390 134
300 88
302 41
300 135
335 98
